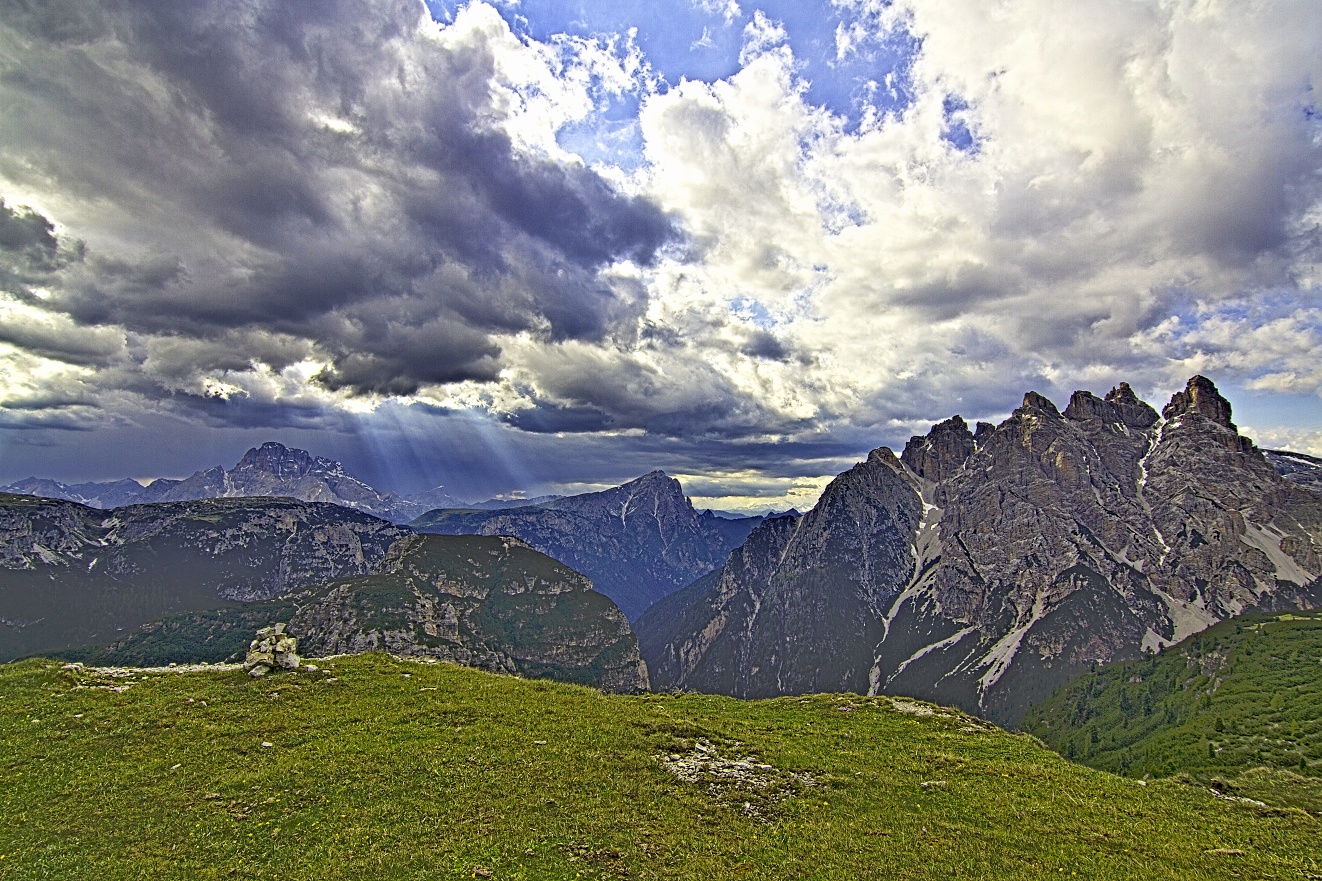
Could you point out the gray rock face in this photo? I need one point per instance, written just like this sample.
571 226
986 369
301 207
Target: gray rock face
711 618
487 602
637 542
941 453
783 600
73 576
986 570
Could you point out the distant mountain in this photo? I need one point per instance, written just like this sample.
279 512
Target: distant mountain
1297 468
502 504
487 602
113 494
987 569
637 542
71 575
433 498
1238 704
271 470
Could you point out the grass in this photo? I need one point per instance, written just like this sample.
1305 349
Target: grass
384 769
1238 706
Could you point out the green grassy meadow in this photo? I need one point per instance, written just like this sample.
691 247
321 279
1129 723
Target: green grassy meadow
372 768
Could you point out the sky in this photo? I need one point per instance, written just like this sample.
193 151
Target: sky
538 246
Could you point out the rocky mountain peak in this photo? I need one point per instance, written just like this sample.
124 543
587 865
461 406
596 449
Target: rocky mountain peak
655 492
1120 407
1200 397
1063 540
637 542
279 461
1134 412
1084 406
1037 405
942 452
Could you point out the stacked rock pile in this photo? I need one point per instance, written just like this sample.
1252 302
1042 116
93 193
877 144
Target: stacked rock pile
272 649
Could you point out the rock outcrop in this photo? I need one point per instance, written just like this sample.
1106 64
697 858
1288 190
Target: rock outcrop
985 570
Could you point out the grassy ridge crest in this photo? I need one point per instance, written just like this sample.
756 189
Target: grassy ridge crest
373 767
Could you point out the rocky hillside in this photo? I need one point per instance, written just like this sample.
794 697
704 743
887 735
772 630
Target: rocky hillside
272 470
1238 706
488 602
72 575
637 542
986 569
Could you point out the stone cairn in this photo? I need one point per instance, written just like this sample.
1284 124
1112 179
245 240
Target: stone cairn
272 649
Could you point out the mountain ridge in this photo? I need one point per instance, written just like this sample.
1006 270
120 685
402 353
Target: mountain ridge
269 470
74 575
637 542
1049 542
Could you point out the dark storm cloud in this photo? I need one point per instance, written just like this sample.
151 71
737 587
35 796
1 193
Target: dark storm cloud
766 346
46 420
25 231
242 412
83 346
555 418
324 171
29 250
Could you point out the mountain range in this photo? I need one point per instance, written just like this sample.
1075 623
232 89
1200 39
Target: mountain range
982 568
637 542
71 575
269 470
492 603
986 568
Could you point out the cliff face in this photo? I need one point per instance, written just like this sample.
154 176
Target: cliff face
987 570
711 619
488 602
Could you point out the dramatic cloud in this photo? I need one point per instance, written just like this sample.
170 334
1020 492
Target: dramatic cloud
346 174
287 214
